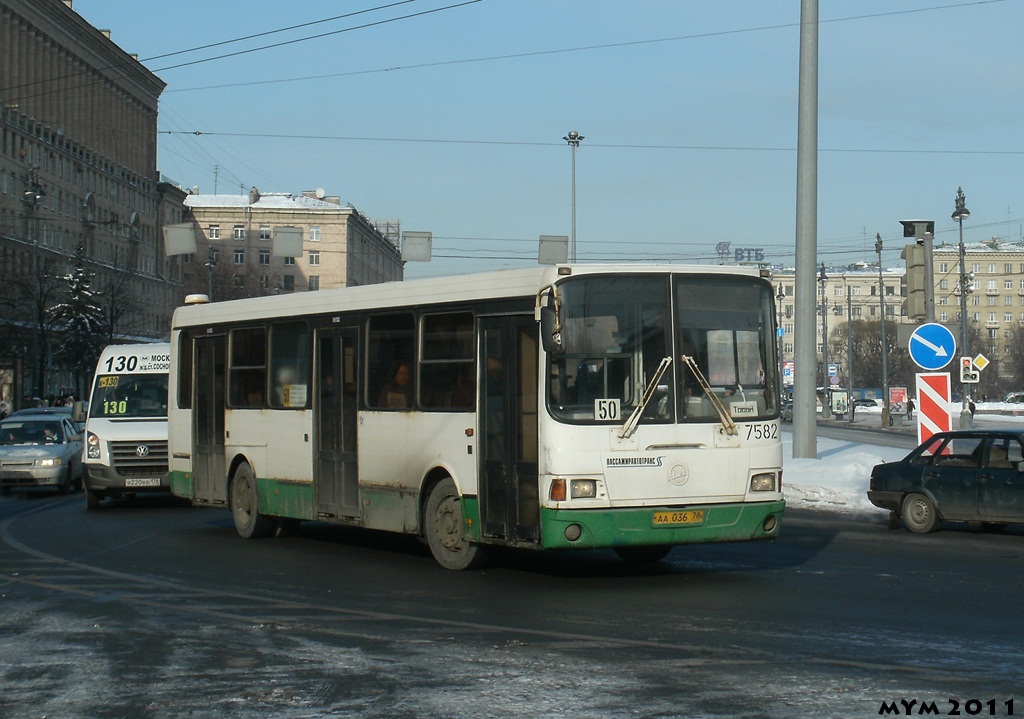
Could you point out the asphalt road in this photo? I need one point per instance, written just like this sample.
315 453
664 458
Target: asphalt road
151 609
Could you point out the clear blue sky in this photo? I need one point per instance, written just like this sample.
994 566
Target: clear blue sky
452 121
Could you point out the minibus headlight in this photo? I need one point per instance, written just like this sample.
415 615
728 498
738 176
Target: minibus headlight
92 440
583 488
763 482
93 452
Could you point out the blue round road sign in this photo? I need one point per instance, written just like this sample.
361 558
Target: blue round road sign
932 346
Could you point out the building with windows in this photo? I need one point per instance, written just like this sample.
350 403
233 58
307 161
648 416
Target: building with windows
235 245
78 141
994 274
842 293
995 303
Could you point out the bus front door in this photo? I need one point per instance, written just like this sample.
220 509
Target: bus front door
209 482
509 502
336 475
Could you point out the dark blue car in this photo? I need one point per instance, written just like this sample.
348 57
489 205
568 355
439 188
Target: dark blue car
966 476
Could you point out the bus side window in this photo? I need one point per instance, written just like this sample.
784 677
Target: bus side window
447 369
289 364
392 343
248 369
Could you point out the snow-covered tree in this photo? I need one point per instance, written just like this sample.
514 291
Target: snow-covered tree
79 319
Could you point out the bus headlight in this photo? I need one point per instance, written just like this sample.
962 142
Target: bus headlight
94 452
557 492
763 482
583 488
92 444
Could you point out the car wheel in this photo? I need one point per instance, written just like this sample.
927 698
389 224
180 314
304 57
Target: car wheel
68 482
444 527
919 514
245 506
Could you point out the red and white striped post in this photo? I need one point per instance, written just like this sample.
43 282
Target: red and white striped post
933 404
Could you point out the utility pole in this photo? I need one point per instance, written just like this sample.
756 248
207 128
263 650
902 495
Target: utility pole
885 341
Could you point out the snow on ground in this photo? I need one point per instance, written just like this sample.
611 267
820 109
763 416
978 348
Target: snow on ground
838 479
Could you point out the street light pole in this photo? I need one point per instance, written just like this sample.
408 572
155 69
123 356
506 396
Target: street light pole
960 214
885 341
780 296
824 340
573 138
211 262
31 196
849 350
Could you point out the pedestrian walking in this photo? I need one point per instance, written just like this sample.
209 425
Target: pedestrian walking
910 408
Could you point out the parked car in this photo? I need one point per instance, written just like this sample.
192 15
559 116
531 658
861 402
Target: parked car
40 450
865 402
1014 397
967 475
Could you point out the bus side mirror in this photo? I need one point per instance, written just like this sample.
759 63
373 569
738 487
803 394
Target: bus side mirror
79 411
550 332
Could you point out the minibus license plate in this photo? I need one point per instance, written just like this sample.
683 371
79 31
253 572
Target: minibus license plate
671 519
143 482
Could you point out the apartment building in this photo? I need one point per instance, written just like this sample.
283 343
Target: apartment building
341 247
78 141
995 300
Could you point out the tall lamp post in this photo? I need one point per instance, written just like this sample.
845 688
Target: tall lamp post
960 214
31 196
573 138
211 262
780 333
885 341
824 339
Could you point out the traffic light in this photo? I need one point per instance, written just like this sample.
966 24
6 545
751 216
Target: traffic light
968 374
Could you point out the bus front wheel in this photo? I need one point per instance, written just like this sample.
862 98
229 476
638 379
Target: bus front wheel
245 505
444 527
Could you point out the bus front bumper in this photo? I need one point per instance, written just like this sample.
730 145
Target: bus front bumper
645 526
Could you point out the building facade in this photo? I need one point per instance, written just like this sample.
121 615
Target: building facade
994 273
340 246
78 142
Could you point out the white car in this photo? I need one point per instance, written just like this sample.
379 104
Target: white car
40 451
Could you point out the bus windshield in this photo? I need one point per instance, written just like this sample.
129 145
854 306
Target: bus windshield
117 396
617 331
726 326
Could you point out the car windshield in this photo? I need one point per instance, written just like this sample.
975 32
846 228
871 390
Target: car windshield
31 432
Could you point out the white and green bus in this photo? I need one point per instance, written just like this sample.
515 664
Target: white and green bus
560 407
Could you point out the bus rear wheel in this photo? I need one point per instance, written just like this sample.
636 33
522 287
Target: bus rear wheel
245 505
444 527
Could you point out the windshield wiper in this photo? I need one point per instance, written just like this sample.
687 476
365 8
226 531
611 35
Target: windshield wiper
634 419
723 413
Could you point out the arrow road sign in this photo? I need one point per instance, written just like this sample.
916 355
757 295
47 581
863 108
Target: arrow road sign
932 346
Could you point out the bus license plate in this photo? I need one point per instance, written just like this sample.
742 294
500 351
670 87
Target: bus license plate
672 519
145 482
